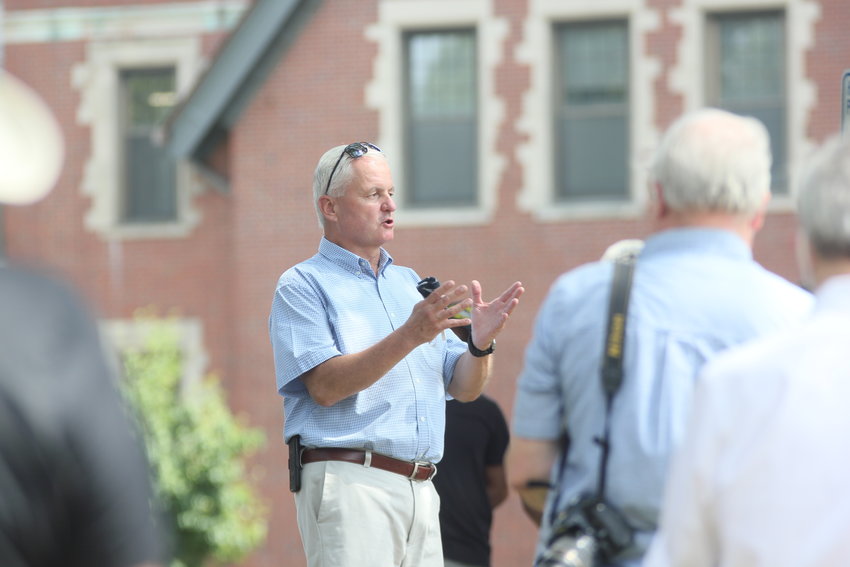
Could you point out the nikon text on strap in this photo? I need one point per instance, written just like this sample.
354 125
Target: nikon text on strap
612 359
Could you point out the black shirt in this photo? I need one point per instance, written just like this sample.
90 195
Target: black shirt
476 437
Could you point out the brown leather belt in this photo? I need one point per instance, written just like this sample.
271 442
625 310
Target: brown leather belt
411 470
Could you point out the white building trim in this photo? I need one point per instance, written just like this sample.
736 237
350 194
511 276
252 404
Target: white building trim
535 121
122 335
97 79
384 94
121 22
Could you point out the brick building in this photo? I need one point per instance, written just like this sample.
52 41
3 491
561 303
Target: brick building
541 114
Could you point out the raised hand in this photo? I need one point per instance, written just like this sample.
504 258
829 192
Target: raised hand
437 312
489 318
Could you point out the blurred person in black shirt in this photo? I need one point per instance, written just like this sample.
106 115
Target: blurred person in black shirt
471 479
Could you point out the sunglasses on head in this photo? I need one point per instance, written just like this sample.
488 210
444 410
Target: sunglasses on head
354 150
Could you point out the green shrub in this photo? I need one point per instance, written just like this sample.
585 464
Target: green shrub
198 453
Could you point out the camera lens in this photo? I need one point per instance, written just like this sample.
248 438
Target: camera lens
568 551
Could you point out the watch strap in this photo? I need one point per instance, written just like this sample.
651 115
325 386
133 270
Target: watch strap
475 351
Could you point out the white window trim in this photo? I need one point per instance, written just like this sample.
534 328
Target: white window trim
384 95
98 81
687 77
537 195
121 335
120 22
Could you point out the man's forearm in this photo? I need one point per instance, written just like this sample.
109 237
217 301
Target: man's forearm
342 376
530 464
470 376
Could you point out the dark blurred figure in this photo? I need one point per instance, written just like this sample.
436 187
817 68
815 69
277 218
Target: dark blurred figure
74 485
471 480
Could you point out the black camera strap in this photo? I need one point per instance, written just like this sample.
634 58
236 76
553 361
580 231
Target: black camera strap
611 370
612 361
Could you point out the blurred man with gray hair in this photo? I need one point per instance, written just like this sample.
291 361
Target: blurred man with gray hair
696 291
761 478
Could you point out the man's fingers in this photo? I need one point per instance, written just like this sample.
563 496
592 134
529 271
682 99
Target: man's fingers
457 310
513 292
448 294
475 286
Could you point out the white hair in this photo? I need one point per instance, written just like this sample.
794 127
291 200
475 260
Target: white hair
714 161
823 199
341 176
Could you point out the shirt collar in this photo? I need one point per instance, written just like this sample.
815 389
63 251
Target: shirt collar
352 262
698 240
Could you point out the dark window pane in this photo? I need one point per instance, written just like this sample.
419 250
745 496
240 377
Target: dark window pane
586 170
591 113
751 81
150 193
442 123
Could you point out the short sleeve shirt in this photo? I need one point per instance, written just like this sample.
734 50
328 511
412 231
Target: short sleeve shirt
334 304
695 293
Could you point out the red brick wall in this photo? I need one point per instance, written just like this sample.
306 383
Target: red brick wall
663 44
225 271
825 64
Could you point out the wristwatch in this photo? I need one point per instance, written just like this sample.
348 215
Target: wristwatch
475 351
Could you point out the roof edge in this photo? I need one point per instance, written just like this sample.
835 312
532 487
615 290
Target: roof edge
196 116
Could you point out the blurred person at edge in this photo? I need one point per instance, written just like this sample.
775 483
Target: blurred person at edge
74 486
761 477
365 367
696 291
472 480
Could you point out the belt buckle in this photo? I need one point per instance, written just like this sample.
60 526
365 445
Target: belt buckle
417 465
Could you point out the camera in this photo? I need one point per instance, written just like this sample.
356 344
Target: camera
425 287
589 530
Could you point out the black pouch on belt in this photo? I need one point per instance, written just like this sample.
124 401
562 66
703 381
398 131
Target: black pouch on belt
294 463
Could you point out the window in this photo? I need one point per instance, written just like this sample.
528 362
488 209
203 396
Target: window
589 114
442 125
447 61
127 88
149 173
747 76
591 105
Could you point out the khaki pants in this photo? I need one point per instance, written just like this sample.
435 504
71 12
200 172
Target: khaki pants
353 516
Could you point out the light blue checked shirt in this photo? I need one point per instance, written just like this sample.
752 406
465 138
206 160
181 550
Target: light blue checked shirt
695 293
333 304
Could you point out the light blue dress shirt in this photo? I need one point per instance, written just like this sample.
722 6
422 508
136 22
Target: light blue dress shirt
334 304
695 292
